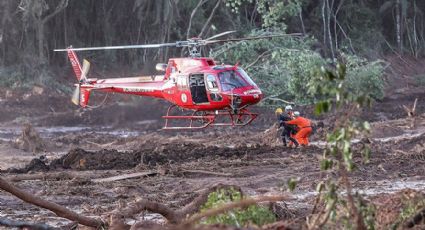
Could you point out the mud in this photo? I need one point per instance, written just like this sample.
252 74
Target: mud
124 137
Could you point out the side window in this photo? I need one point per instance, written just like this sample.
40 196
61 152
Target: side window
182 82
212 83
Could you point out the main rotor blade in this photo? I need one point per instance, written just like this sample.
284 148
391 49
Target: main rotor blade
120 47
220 34
251 38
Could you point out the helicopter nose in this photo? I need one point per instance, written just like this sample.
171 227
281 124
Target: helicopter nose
253 95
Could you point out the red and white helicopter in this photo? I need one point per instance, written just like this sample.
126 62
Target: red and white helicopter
210 90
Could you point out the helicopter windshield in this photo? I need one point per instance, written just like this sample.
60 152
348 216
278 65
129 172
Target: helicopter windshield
246 77
230 80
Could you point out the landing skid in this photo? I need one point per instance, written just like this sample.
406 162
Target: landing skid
204 119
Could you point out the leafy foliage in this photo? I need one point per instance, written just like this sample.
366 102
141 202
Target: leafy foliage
364 76
286 68
275 12
254 214
339 152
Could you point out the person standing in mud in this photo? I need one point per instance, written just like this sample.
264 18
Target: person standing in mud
287 130
304 128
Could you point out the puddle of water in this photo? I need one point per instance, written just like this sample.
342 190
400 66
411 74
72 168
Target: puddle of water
147 122
407 135
381 187
392 187
11 133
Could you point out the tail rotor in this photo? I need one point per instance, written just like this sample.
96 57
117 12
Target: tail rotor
81 95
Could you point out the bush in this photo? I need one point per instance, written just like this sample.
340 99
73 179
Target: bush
21 77
280 65
287 68
254 214
364 77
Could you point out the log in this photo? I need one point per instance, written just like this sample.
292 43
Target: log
57 209
173 216
24 225
207 173
43 176
124 176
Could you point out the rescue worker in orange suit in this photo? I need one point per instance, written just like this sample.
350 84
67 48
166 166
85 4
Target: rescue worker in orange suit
288 130
304 128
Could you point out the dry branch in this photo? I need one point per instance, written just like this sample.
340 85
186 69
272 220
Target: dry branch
57 209
125 176
411 112
207 173
209 19
172 216
44 176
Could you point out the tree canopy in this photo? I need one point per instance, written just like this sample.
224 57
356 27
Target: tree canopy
331 30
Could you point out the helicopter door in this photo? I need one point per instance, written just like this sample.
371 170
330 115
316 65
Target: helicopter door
197 88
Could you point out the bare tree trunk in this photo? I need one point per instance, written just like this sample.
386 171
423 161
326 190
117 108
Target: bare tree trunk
40 23
336 22
302 21
4 21
415 36
169 20
329 12
398 26
191 17
324 26
40 38
207 23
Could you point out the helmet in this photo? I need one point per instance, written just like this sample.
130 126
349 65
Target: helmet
278 111
288 108
296 114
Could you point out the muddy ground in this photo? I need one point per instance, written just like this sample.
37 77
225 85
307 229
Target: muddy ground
123 136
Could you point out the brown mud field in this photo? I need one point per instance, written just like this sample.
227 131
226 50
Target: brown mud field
66 155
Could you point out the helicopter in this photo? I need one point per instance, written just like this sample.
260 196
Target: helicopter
216 94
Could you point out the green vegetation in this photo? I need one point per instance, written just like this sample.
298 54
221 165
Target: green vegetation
338 156
252 215
411 206
286 68
329 31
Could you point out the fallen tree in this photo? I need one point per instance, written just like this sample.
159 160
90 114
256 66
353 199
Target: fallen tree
185 217
57 209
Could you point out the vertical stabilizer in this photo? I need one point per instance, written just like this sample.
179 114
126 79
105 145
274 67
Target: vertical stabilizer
76 66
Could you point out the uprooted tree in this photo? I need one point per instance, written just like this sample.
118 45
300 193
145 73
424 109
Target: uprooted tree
184 218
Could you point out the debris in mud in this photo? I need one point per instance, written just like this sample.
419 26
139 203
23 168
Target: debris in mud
150 156
29 140
399 209
270 136
35 165
80 159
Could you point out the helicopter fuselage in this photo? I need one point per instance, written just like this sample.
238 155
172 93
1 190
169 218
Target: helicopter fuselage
191 83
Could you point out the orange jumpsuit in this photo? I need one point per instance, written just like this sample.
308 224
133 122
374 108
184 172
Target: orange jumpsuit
304 131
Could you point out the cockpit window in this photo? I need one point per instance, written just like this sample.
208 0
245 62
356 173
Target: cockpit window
211 82
230 80
246 77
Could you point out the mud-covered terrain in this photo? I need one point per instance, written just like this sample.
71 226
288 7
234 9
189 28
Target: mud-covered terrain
69 156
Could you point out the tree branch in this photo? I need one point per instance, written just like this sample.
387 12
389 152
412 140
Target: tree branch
209 18
57 209
61 6
200 3
173 216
